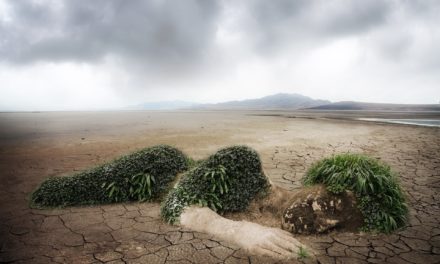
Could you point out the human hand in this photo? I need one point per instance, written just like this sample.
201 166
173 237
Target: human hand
273 242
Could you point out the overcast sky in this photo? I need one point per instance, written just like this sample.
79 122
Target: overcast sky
83 54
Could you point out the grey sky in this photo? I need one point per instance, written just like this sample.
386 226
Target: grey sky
82 54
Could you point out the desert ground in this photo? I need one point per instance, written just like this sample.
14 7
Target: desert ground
34 146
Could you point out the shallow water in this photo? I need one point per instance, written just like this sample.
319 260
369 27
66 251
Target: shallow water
416 122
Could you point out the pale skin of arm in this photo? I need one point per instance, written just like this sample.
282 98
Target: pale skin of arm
254 238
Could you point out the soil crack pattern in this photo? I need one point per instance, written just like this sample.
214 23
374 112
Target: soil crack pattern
134 232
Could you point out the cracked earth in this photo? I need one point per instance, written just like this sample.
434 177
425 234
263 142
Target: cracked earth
34 147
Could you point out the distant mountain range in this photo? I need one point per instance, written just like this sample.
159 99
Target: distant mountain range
349 105
276 101
284 101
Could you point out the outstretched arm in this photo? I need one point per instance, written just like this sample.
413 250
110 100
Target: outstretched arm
254 238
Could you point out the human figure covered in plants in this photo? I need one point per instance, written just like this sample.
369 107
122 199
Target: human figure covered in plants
229 181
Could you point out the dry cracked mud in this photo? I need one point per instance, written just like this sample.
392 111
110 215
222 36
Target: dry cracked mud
33 147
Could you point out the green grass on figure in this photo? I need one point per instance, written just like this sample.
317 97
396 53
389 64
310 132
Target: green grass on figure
225 182
139 176
377 189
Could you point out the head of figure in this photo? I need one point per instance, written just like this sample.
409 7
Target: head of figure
316 210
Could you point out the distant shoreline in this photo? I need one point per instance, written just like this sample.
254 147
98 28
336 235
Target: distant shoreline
414 122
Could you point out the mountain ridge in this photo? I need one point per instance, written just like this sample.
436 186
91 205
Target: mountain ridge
276 101
359 106
285 101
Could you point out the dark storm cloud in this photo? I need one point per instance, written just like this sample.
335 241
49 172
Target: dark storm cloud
152 32
273 24
167 34
321 17
411 36
400 31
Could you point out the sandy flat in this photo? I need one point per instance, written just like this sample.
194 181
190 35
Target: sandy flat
34 146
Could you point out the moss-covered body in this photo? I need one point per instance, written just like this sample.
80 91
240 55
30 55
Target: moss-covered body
226 182
379 195
162 162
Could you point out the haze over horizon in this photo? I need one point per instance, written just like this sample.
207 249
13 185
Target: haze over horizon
82 55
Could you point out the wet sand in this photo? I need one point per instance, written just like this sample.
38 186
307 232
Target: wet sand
34 146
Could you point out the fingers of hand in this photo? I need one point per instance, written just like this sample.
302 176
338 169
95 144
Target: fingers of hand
266 252
286 241
287 244
282 252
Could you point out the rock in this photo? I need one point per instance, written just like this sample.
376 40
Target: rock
315 210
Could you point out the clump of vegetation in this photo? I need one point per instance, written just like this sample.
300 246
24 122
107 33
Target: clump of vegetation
226 182
192 163
302 253
142 175
377 189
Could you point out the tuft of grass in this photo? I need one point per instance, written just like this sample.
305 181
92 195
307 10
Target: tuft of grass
227 181
377 189
302 253
142 186
142 175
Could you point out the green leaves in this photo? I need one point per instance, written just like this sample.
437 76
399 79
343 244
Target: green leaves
142 186
227 181
302 253
380 197
218 179
114 192
142 175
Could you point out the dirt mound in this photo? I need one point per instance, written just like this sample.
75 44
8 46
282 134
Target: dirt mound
316 210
